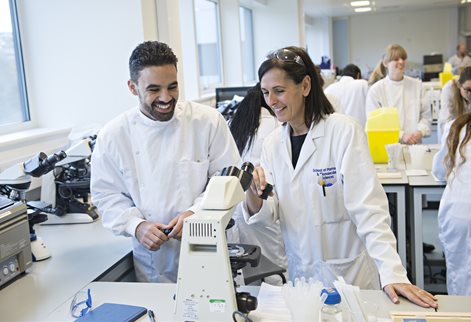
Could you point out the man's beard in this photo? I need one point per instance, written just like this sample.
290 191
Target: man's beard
161 116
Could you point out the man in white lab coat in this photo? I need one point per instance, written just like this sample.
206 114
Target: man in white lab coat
151 164
350 93
460 60
404 93
332 209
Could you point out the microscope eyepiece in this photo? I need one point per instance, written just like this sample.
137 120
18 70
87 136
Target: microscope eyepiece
42 164
247 167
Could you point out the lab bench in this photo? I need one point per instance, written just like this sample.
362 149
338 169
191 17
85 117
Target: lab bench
81 253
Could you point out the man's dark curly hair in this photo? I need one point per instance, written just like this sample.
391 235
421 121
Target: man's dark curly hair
150 53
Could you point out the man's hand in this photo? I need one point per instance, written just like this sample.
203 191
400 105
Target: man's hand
412 293
150 235
177 225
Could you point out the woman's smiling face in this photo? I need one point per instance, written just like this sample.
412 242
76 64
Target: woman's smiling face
284 96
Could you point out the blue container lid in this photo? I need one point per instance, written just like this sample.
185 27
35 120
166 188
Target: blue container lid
333 296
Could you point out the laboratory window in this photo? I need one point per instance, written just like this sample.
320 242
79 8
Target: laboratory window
208 40
13 96
247 45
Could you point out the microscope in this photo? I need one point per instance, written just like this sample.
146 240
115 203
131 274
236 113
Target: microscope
67 187
16 180
208 265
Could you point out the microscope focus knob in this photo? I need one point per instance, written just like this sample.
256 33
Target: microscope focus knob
246 302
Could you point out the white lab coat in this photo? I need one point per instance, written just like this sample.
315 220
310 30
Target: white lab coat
266 235
350 94
150 170
406 96
325 236
446 112
454 220
458 63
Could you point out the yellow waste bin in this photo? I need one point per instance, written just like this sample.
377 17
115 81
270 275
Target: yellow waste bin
382 127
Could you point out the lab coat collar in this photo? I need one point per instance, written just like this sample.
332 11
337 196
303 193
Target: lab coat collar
345 79
393 82
157 124
309 146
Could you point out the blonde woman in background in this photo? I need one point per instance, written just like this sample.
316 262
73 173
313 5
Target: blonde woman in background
404 93
378 73
453 164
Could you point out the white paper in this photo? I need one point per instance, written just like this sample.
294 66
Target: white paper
416 172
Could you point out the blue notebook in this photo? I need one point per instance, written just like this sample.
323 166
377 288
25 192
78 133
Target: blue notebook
112 312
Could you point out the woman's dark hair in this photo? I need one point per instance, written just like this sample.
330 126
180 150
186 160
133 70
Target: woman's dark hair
453 142
245 123
352 71
316 104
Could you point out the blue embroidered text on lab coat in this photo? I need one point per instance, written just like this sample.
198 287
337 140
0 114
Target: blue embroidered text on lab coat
329 175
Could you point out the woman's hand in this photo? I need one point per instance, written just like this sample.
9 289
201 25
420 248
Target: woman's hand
259 183
412 293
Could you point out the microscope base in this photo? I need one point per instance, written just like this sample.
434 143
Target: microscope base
39 250
69 218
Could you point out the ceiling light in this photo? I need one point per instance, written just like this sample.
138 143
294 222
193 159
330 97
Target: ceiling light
359 3
364 9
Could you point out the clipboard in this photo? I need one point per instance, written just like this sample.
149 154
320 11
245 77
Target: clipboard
113 312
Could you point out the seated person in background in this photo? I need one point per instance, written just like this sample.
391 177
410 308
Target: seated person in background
404 93
332 209
151 164
453 164
455 98
460 60
350 92
253 121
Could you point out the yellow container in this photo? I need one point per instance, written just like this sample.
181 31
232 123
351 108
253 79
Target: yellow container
382 127
444 77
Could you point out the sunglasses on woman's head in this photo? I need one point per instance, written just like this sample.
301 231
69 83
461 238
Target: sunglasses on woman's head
286 55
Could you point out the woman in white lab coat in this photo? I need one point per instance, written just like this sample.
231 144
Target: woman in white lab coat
252 122
332 209
454 98
453 164
404 93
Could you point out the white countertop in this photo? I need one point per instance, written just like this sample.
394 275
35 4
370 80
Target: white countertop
159 298
80 253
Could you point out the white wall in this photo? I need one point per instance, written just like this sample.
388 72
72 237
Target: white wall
276 25
76 58
419 32
319 38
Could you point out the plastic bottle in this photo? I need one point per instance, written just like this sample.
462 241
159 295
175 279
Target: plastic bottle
331 311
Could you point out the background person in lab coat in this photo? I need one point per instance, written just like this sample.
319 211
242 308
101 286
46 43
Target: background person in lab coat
460 60
453 164
332 209
455 99
404 93
151 164
253 121
350 93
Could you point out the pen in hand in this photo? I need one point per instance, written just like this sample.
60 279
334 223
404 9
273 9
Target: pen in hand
151 315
